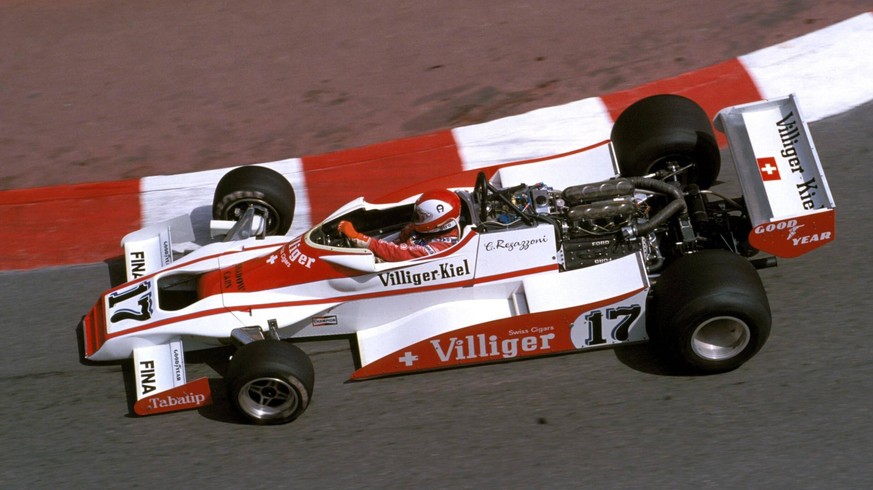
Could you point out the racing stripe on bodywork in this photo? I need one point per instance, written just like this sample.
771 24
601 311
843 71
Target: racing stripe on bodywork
94 329
98 333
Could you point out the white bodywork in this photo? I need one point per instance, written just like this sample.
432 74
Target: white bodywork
386 305
494 296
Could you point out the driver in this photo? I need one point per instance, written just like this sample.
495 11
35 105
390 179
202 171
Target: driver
434 228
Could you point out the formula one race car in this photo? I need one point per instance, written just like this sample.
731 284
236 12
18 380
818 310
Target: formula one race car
612 244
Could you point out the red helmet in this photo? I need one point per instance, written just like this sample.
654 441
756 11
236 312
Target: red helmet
436 210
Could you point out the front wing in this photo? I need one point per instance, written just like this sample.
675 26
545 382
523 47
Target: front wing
161 381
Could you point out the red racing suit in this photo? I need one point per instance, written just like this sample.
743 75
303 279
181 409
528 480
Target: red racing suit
411 245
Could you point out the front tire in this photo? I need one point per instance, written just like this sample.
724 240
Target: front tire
711 312
259 186
270 382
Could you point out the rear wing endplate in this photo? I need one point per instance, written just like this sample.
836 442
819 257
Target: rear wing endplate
787 195
161 384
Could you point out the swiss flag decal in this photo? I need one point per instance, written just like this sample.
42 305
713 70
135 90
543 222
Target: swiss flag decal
768 168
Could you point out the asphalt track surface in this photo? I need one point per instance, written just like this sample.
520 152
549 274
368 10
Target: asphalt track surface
796 416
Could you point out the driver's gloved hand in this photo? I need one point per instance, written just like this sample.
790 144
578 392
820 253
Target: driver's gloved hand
358 239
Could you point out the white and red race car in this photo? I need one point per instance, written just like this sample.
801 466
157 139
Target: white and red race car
610 244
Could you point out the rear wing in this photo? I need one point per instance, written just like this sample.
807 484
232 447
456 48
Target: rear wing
786 193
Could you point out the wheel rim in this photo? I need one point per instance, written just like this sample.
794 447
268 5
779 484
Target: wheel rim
268 398
240 206
720 338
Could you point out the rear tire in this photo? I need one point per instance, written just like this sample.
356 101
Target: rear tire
270 382
259 186
711 312
662 128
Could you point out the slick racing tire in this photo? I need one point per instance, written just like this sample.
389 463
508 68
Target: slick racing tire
660 129
254 185
710 312
270 382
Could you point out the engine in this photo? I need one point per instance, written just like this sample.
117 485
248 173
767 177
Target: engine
597 222
595 216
